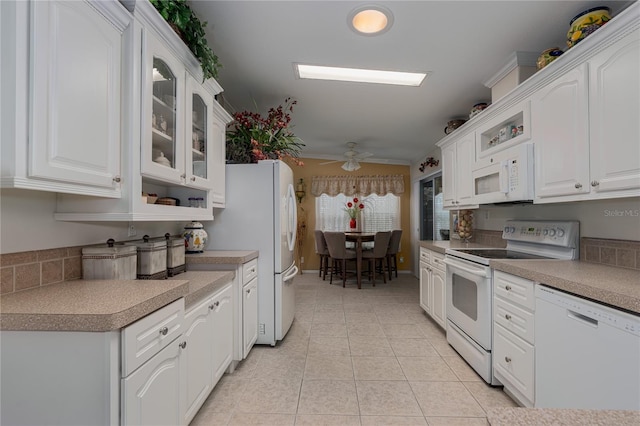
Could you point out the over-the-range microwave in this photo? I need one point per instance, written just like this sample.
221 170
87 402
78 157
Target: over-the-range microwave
504 177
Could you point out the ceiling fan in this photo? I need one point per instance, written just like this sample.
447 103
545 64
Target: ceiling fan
351 158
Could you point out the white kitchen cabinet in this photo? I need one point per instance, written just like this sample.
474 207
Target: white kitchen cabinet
432 285
513 336
62 110
586 130
249 316
159 131
209 339
458 158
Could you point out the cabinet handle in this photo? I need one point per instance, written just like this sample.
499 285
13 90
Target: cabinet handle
164 331
249 291
508 287
193 178
578 185
183 176
117 179
507 359
211 307
182 345
507 316
595 183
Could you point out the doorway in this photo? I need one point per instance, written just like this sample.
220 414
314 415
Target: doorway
434 220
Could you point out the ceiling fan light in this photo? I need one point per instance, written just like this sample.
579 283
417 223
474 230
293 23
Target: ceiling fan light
351 165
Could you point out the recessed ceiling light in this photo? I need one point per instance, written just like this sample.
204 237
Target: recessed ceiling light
317 72
370 20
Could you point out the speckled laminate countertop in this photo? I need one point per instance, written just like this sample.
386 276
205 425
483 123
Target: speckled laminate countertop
551 416
101 305
617 287
222 257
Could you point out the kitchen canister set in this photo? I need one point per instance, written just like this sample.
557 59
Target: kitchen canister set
146 259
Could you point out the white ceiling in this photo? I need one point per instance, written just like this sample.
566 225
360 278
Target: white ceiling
460 43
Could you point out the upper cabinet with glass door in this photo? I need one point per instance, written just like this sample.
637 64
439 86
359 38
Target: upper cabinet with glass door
199 124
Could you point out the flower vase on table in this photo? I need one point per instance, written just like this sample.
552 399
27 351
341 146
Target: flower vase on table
353 224
353 209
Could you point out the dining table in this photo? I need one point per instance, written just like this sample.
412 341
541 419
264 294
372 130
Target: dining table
358 238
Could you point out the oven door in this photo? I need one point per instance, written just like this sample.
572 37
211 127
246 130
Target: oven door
469 297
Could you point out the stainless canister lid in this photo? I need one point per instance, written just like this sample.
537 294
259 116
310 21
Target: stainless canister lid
110 250
147 245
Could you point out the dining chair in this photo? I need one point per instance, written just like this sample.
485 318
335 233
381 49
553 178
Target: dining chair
323 252
379 253
339 254
392 252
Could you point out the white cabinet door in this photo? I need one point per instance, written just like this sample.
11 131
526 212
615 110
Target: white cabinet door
75 95
465 158
561 134
198 355
154 394
202 136
425 288
217 155
250 315
222 319
614 109
438 313
163 106
449 176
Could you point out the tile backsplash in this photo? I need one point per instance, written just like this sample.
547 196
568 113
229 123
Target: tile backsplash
620 253
24 270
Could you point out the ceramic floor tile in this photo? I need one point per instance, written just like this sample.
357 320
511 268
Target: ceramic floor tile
332 346
377 368
412 347
457 421
329 330
446 399
328 307
278 364
389 398
242 419
489 397
431 369
461 369
209 418
372 329
326 420
270 395
225 395
410 331
328 397
303 316
369 346
328 367
357 307
442 347
361 317
392 421
328 317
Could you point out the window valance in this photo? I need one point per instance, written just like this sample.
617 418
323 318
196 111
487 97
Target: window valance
361 185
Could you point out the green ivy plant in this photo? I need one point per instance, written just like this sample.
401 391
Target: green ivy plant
187 25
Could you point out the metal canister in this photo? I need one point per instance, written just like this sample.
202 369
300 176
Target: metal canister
110 261
175 254
152 259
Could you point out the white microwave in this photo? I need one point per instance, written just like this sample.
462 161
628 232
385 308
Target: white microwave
504 177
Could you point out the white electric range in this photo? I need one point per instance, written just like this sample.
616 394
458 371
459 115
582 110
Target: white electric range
469 282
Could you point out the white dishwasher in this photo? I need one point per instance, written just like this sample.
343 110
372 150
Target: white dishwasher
587 355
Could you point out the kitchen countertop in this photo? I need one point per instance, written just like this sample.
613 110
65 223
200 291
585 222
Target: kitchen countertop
519 416
617 287
101 305
221 257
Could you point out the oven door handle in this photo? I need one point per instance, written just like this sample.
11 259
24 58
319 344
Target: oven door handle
479 272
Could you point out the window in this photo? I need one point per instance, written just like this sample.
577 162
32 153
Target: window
381 213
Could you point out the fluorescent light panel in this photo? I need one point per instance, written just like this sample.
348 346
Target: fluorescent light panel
317 72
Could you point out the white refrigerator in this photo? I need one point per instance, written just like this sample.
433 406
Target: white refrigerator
261 214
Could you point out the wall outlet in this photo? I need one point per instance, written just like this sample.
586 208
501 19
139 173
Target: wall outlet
131 231
401 259
302 259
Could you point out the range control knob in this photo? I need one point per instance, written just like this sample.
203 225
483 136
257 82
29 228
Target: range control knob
560 232
512 229
507 229
552 232
545 232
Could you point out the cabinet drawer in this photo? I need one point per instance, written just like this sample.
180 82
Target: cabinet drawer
249 271
513 360
515 319
147 336
437 261
425 255
514 289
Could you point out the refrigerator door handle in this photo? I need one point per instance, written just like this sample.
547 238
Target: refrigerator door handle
289 276
292 222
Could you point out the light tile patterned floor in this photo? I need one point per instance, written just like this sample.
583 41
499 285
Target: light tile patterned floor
354 357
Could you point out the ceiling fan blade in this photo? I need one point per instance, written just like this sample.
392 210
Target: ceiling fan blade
331 162
363 155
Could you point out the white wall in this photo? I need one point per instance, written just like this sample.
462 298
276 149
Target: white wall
27 223
615 219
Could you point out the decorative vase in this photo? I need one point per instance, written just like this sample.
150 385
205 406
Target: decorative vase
353 224
195 237
548 56
586 23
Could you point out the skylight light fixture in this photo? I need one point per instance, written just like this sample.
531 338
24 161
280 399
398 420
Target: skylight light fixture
370 20
317 72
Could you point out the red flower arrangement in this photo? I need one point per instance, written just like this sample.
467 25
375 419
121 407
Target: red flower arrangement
252 137
354 208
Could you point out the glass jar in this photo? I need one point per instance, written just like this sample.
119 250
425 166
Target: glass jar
193 202
465 224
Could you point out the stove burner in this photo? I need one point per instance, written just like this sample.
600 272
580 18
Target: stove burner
500 254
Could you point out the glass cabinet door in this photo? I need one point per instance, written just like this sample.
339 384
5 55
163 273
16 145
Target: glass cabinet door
199 137
163 115
199 115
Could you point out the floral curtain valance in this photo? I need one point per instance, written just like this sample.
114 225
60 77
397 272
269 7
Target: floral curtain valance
361 185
